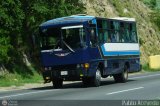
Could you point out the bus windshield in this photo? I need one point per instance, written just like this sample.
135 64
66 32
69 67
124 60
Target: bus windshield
69 37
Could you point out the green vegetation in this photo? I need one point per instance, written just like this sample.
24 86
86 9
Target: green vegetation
20 75
120 8
18 80
150 3
155 14
156 17
19 20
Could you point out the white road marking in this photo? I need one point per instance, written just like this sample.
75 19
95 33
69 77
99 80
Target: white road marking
145 76
124 90
28 93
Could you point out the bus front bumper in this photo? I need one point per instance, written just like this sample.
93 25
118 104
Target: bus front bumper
66 75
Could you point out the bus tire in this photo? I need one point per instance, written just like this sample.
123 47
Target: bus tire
57 83
96 80
122 77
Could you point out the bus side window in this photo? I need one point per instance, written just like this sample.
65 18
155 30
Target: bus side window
109 39
133 34
127 34
105 31
122 32
116 34
112 32
100 36
102 30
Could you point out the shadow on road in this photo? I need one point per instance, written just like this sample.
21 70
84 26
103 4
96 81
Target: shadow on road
43 88
79 85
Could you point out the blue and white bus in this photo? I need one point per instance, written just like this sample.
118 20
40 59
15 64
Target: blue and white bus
88 48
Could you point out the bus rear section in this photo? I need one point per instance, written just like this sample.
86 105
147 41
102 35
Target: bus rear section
88 48
119 45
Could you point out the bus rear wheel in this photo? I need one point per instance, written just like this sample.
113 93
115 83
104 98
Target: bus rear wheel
57 83
122 77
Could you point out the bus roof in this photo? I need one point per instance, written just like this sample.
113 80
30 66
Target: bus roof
78 19
67 20
124 19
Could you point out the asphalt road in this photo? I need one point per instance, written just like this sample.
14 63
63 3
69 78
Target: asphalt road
145 86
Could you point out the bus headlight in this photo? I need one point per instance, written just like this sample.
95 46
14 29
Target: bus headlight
78 65
47 68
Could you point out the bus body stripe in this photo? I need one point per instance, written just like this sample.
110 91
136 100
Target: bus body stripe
110 51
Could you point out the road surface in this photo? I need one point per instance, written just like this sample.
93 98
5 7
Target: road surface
145 86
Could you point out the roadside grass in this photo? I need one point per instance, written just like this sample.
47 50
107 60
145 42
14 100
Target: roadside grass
17 80
20 77
146 68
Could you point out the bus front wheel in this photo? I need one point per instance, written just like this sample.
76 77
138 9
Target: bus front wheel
96 80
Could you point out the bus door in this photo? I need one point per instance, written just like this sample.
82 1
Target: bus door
92 36
93 42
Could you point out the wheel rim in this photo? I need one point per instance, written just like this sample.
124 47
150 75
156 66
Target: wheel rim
98 75
126 74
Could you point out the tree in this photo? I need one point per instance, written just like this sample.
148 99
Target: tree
10 18
21 18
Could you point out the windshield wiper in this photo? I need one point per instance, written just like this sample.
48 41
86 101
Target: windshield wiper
56 44
68 46
65 45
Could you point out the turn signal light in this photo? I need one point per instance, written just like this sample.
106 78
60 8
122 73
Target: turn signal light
86 65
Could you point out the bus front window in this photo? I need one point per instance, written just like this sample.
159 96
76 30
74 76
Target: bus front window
70 37
74 36
50 38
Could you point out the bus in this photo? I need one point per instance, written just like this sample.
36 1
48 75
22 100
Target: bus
88 48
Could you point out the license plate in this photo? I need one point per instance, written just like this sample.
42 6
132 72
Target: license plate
64 72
